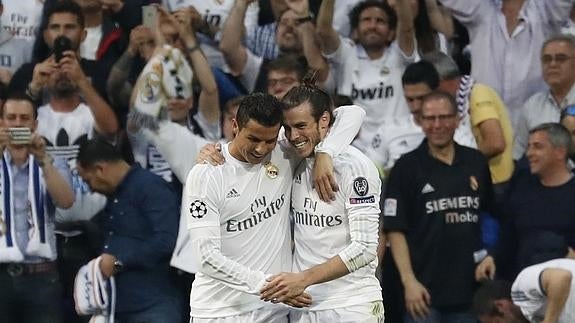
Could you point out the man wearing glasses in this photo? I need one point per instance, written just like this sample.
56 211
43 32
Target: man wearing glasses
558 65
434 197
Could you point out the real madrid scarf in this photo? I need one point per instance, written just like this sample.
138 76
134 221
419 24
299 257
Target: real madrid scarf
166 76
38 241
94 294
463 135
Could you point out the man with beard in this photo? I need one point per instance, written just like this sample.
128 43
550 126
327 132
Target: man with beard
294 36
369 69
65 18
74 112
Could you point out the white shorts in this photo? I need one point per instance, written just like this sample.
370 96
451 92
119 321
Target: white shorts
267 314
362 313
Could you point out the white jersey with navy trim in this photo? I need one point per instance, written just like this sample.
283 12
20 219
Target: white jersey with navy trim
324 230
375 85
528 294
238 218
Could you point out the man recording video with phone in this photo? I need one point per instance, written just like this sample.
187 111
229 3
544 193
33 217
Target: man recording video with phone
32 185
73 111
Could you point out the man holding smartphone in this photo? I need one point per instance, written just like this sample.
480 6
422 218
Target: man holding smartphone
33 184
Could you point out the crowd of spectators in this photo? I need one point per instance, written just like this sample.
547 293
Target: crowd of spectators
470 120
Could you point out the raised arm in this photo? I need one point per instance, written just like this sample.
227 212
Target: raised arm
209 104
106 122
440 18
57 175
234 52
328 38
306 31
405 28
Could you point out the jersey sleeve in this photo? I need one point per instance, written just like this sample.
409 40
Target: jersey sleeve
200 205
483 104
178 146
397 201
341 54
362 189
347 122
527 292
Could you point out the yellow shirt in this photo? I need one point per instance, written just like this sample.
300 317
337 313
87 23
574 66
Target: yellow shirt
485 104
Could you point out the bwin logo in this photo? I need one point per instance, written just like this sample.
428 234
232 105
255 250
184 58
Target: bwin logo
379 92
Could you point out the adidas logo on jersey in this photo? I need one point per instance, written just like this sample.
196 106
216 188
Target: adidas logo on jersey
232 193
427 189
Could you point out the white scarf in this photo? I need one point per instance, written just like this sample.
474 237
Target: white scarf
166 76
38 217
463 134
94 294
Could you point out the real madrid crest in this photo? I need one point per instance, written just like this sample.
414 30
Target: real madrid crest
271 170
473 183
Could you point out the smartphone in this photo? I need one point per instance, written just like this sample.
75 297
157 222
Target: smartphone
149 16
61 44
20 136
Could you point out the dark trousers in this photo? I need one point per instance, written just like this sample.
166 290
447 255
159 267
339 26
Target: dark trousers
30 297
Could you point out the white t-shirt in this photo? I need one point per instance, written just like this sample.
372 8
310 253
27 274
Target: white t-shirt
324 230
22 17
528 294
238 217
63 132
215 12
374 85
89 47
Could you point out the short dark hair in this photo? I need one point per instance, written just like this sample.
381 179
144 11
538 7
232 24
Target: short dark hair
421 72
487 294
438 95
64 6
289 63
19 96
360 7
558 135
263 108
97 150
317 98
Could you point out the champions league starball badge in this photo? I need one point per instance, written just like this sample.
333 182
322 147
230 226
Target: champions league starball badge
271 170
198 209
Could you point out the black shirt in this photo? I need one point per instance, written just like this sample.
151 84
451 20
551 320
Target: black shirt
437 206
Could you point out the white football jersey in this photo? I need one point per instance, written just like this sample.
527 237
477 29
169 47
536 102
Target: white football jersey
528 294
22 18
375 85
325 230
238 217
392 139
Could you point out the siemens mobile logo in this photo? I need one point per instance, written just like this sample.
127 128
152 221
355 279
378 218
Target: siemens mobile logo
456 206
451 203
